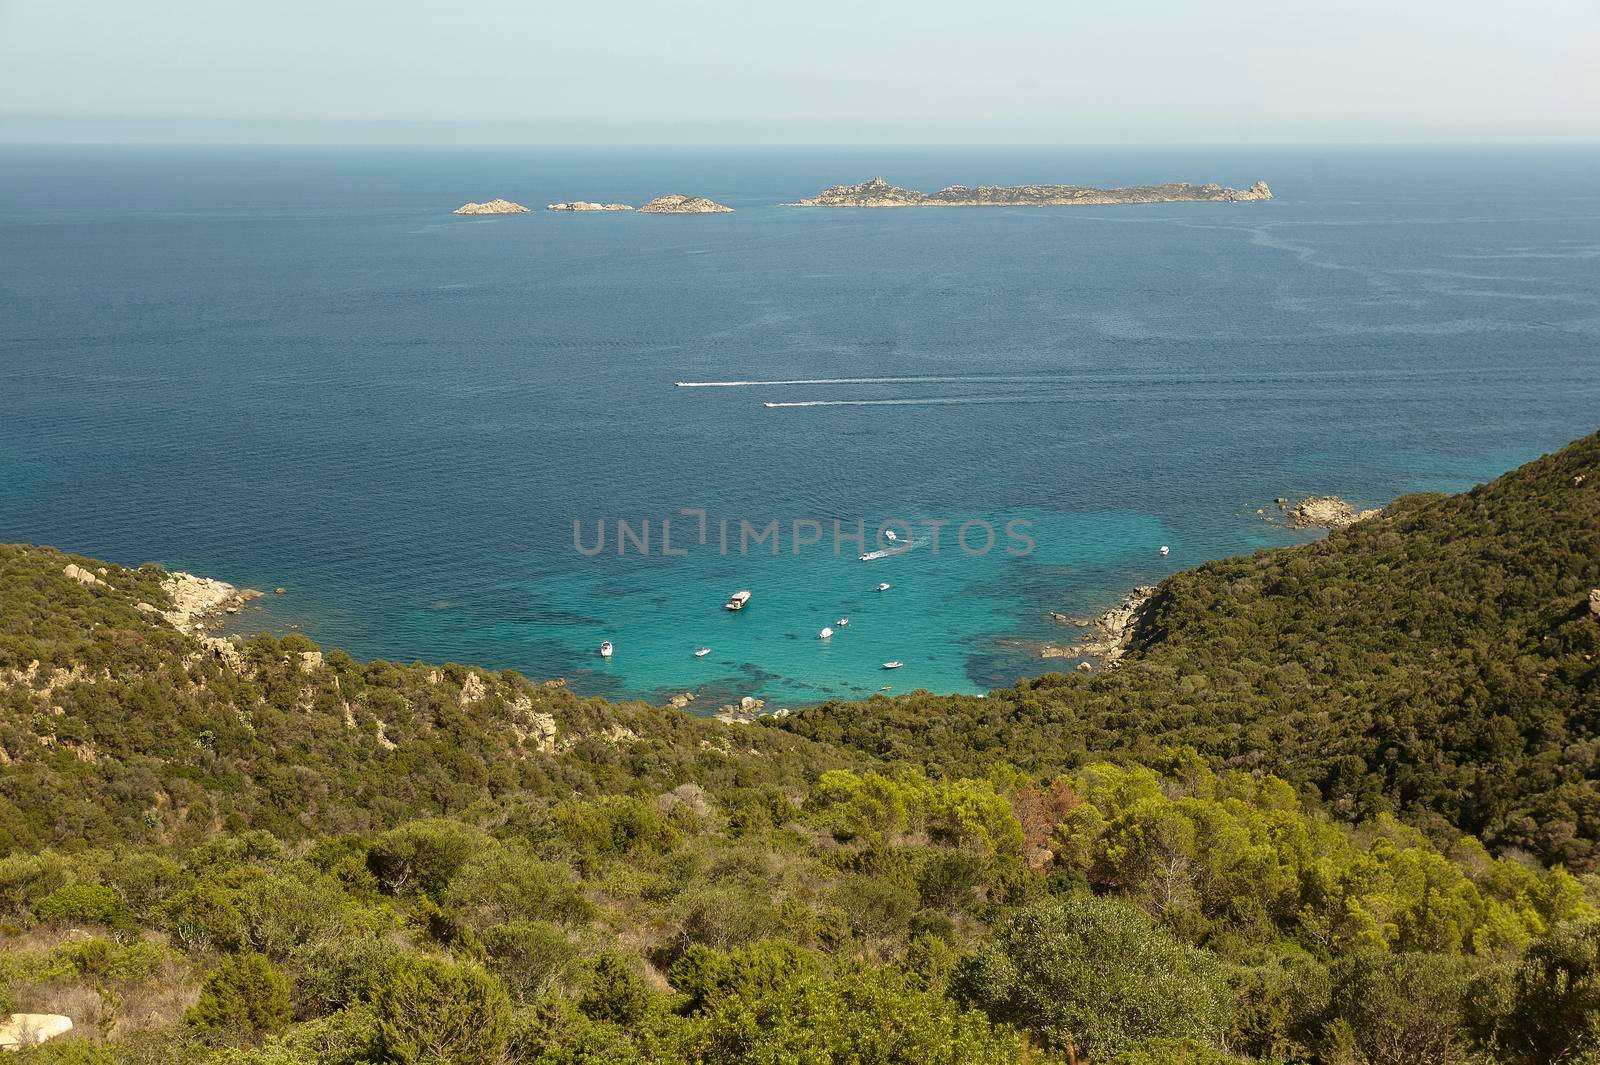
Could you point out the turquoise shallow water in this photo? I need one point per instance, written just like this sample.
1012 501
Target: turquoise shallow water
297 368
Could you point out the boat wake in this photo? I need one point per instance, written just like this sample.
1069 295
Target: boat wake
919 401
926 380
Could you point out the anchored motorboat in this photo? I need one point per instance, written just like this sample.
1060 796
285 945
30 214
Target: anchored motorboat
702 652
893 665
884 587
825 633
606 649
738 599
1165 550
842 622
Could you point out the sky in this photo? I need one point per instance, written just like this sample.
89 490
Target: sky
757 72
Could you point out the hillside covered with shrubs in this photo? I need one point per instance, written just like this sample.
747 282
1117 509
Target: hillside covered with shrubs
1336 808
1439 662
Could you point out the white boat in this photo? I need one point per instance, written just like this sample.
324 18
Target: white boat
825 633
606 649
893 665
1165 550
842 622
889 534
884 587
738 599
702 652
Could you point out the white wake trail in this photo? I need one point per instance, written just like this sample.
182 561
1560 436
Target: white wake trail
967 379
931 401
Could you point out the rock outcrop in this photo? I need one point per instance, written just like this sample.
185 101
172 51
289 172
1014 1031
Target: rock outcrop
676 203
585 205
879 193
196 600
1113 630
1594 602
1322 512
492 207
82 576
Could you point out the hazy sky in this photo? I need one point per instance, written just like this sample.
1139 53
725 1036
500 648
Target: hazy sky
1052 71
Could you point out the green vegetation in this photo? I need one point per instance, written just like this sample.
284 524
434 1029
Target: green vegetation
267 857
1438 662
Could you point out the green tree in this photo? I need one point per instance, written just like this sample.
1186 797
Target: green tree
1093 977
94 903
244 997
614 991
1398 1009
430 1009
1546 1007
530 956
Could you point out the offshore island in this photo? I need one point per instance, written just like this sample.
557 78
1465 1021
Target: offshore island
879 193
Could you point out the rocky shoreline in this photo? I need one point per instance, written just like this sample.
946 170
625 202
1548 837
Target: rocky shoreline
587 205
198 603
1319 512
879 193
1113 631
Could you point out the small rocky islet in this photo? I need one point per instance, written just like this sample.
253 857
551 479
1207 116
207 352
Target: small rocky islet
673 203
677 203
492 207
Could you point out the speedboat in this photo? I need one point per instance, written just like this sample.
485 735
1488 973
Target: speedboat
738 599
702 652
825 633
884 587
893 665
889 534
842 622
1165 550
606 649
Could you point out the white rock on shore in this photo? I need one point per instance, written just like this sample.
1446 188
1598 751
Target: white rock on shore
196 600
492 207
1113 630
1323 512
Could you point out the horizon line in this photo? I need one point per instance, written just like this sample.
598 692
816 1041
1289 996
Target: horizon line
1443 142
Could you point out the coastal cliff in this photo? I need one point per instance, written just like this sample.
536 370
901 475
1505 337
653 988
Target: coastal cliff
676 203
879 193
492 207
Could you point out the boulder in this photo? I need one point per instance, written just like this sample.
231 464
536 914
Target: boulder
27 1029
88 580
1594 602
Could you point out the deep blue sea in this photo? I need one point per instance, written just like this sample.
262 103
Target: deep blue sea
297 368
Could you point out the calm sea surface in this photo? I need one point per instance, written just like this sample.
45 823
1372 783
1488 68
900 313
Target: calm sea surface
297 368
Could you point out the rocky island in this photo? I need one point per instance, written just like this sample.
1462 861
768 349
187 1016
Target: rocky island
492 207
879 193
585 205
676 203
